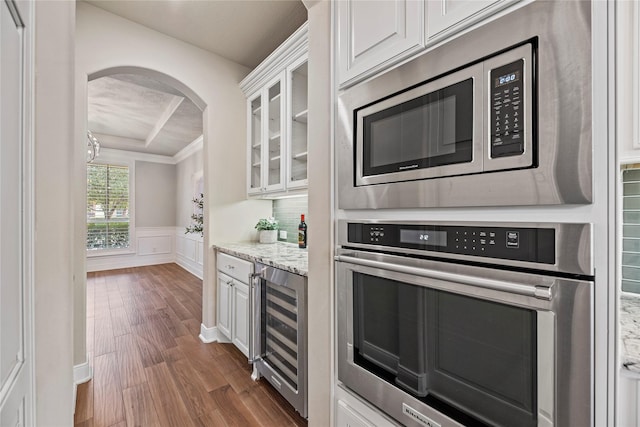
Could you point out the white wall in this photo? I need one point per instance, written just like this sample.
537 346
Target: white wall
189 247
155 201
54 174
107 42
320 286
628 87
186 172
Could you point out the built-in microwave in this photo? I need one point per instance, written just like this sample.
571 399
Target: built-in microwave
500 116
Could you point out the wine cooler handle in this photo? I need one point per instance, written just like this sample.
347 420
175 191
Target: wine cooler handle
255 280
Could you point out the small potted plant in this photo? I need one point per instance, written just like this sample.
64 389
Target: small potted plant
268 230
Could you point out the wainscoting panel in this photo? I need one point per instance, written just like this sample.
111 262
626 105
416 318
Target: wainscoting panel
189 252
154 245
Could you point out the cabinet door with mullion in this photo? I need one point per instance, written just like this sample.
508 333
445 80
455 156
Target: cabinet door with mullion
275 135
297 103
255 120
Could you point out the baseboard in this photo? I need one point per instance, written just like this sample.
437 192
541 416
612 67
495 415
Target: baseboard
127 261
209 335
81 374
190 266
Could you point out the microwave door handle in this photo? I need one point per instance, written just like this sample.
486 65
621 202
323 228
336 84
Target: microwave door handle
540 292
254 316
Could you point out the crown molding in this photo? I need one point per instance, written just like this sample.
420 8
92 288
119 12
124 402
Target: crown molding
114 155
296 45
195 146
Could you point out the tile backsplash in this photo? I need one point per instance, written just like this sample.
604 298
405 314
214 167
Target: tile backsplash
287 212
631 231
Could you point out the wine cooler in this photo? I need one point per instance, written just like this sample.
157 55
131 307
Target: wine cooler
279 340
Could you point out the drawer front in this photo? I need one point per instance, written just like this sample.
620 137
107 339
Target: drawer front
235 267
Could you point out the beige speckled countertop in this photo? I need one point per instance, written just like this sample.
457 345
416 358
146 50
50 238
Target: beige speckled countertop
630 331
286 256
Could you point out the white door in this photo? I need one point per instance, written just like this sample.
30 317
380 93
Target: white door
375 34
224 304
240 314
16 358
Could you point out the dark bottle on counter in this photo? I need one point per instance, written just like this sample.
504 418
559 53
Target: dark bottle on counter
302 233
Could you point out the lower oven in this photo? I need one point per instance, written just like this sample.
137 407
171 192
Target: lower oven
278 332
467 324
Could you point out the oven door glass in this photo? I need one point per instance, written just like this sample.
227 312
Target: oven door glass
450 351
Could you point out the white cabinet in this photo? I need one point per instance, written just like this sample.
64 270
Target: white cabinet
373 35
349 417
277 134
352 411
445 17
233 300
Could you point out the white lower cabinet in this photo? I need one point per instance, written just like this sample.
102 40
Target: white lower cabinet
353 411
233 300
346 416
233 311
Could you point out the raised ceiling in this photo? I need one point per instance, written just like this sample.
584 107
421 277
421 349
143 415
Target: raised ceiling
138 113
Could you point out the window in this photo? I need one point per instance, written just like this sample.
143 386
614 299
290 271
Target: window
108 225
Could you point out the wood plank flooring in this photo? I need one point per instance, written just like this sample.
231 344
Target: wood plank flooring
150 368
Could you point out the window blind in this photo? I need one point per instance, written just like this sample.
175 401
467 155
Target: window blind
631 230
107 207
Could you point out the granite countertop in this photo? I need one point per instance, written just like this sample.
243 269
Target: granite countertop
630 331
285 256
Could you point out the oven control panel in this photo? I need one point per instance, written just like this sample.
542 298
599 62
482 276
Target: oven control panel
519 244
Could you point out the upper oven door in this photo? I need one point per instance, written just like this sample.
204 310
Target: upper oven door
430 131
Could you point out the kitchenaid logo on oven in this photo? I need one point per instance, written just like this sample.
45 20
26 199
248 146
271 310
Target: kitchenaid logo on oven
417 416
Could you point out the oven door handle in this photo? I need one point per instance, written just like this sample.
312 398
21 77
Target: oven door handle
540 292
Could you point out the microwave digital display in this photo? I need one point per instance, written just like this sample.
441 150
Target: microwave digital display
423 237
507 79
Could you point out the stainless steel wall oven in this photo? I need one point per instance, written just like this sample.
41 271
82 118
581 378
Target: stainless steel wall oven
500 116
449 324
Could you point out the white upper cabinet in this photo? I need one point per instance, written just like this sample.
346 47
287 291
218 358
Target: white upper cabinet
277 102
373 35
446 17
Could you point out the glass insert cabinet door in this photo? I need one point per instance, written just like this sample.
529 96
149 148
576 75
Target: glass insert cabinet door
266 148
298 93
274 170
255 141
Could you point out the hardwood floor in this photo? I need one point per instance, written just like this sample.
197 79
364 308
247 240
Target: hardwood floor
150 368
